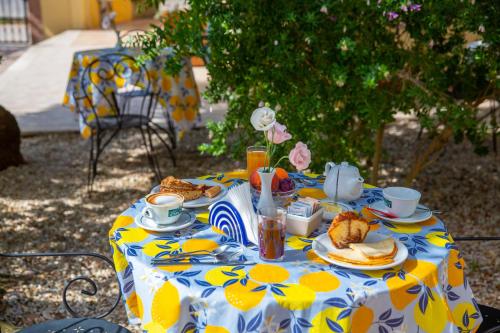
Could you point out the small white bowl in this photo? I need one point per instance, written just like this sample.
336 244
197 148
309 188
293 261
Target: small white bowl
303 226
401 201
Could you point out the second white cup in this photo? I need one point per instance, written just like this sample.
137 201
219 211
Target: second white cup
401 201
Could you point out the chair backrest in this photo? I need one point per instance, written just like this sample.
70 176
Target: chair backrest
114 85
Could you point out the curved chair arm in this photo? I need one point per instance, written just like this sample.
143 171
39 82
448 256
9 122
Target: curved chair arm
93 285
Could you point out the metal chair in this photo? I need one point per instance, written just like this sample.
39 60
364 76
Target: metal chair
491 316
77 323
107 110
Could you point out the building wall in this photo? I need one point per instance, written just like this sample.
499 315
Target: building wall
60 15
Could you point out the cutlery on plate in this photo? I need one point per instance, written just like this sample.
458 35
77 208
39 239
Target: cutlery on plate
381 212
425 209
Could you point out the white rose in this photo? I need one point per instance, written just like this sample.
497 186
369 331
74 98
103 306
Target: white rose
263 119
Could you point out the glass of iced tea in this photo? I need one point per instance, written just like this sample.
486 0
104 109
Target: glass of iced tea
272 230
256 158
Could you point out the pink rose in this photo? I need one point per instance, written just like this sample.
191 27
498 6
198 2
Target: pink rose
278 134
300 156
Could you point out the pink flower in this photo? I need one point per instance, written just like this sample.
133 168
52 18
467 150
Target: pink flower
278 134
300 156
392 16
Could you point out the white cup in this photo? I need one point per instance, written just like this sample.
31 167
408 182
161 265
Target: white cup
163 208
401 201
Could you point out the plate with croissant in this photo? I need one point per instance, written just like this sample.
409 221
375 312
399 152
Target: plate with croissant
350 244
196 192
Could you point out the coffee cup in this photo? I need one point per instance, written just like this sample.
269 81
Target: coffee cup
163 208
401 201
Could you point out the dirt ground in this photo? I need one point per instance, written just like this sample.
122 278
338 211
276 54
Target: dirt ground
44 206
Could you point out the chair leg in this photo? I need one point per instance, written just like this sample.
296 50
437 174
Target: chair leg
153 155
170 150
150 155
90 171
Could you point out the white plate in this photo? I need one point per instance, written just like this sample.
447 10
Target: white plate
420 215
322 245
184 221
202 201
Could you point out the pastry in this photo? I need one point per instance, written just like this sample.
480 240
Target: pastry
172 182
346 228
187 194
212 192
178 186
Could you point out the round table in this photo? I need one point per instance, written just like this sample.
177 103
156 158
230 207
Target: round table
428 293
113 69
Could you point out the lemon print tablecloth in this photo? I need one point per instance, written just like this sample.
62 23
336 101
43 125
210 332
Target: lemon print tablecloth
87 91
429 293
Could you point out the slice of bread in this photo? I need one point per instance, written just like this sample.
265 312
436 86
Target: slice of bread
383 249
346 228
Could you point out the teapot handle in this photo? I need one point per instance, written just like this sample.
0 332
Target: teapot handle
328 167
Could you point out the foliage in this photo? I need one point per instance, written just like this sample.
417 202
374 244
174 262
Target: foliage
338 71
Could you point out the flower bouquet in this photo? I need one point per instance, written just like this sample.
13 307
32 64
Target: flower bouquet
270 185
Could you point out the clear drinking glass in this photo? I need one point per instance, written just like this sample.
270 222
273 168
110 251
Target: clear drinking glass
272 230
256 158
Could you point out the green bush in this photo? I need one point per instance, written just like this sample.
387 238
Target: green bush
338 71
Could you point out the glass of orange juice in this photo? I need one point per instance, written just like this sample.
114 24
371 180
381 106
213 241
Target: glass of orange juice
256 158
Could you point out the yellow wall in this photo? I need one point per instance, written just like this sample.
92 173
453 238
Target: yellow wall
60 15
124 10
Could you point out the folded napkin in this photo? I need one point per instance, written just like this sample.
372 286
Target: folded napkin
235 215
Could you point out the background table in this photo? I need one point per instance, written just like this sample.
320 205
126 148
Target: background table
178 95
428 293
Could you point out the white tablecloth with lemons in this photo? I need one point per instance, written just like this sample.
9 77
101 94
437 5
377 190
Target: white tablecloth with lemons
178 95
428 293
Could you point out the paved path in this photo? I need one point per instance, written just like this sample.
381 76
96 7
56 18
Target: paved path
32 87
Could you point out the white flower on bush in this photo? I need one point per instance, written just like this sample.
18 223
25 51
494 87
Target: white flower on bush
263 119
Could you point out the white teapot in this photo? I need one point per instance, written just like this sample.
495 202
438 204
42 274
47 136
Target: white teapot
343 182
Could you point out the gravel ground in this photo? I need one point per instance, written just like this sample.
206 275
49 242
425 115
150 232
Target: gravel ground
44 206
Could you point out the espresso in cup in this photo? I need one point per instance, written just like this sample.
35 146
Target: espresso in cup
163 208
401 201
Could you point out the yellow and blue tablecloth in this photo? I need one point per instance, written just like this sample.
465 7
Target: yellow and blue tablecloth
178 95
429 293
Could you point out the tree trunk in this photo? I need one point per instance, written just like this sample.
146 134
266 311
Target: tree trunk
422 160
10 140
377 156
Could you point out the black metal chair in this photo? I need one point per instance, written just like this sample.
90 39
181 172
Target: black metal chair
77 323
491 316
107 111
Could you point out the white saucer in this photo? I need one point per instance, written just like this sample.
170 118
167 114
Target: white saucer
202 201
146 223
322 245
420 215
